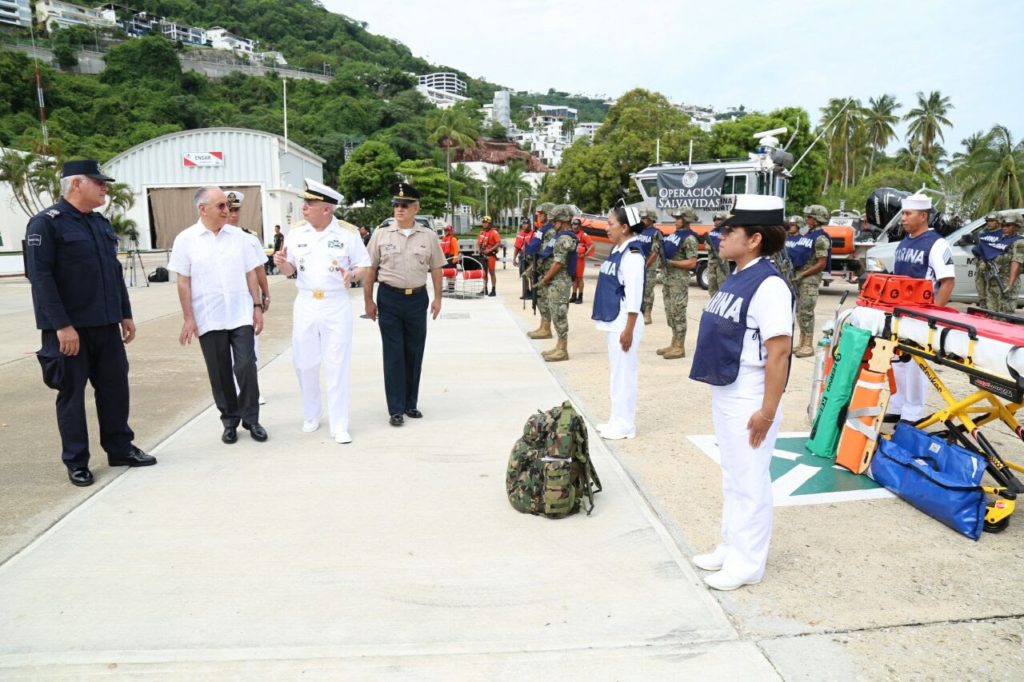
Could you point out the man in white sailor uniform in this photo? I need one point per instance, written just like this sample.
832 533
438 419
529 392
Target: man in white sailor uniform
326 258
922 254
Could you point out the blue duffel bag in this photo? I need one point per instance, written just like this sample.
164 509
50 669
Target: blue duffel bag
942 480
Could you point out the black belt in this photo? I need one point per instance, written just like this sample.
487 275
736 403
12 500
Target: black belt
407 292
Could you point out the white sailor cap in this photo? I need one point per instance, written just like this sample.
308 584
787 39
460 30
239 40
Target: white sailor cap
235 199
756 209
318 191
917 202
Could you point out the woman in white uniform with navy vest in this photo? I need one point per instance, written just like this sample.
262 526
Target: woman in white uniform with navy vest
617 301
743 347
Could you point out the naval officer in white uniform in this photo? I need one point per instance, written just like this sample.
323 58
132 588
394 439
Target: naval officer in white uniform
327 258
743 347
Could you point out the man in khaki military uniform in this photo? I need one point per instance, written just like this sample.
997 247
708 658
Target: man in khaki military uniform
649 241
402 256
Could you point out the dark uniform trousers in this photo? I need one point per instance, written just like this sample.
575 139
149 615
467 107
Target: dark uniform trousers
403 331
219 347
101 361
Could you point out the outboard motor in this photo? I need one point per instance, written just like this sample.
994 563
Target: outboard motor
882 206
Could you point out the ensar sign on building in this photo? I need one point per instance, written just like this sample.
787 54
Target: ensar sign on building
203 159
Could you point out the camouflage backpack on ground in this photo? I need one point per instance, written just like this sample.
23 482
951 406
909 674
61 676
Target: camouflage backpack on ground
549 470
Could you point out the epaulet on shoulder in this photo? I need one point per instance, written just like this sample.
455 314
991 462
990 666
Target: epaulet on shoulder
52 212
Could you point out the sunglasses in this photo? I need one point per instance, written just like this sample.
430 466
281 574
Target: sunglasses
577 224
400 204
221 206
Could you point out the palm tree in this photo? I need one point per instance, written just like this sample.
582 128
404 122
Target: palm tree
507 187
34 179
451 128
926 122
879 119
842 120
994 171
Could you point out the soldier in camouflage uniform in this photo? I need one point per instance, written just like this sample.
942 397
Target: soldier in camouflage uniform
810 256
649 241
679 258
717 268
780 259
557 280
982 278
1009 264
537 265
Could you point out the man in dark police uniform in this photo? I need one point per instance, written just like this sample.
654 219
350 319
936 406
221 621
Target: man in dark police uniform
82 307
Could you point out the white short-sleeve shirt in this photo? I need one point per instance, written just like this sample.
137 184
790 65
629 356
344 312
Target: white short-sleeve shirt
217 265
631 276
319 256
770 314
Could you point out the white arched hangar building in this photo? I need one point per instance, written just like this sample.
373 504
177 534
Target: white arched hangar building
165 172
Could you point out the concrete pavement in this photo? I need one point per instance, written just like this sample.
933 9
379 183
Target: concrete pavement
395 557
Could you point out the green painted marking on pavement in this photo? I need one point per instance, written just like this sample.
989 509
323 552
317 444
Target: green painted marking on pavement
829 478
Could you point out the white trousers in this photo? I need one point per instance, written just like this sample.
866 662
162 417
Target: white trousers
322 335
746 481
623 371
911 391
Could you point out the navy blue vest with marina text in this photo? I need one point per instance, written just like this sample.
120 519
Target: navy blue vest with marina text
674 241
645 240
533 246
992 244
570 259
723 325
912 255
547 245
610 293
800 248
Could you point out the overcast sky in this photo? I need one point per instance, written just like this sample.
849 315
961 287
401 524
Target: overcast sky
760 54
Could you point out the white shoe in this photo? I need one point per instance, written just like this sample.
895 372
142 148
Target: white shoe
613 435
725 581
262 400
712 561
342 437
310 425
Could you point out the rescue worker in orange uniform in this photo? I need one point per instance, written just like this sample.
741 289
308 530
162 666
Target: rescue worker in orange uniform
488 244
450 249
584 249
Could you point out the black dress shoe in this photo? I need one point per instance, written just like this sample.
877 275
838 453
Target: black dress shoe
414 413
257 432
493 293
230 435
397 420
80 476
134 458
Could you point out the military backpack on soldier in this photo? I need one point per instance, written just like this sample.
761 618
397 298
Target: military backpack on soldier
549 471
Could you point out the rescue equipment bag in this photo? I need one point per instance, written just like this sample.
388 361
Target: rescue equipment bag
549 471
942 480
828 422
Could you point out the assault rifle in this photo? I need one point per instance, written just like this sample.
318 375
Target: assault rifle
723 267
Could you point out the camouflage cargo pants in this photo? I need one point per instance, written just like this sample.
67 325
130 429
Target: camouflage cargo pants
1004 303
542 291
715 276
649 282
807 299
676 292
981 283
558 303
